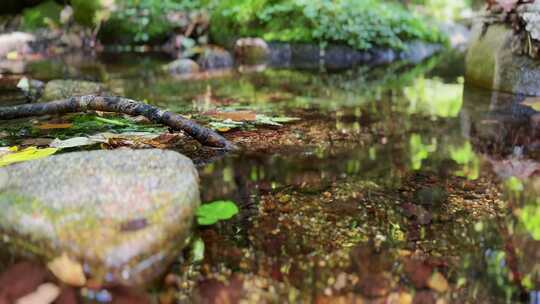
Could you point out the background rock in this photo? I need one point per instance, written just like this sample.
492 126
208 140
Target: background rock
182 66
215 58
61 89
491 62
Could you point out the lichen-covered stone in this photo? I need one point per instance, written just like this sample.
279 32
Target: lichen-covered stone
492 63
182 67
252 50
530 14
61 89
123 214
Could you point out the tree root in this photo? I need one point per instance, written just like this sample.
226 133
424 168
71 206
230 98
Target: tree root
115 104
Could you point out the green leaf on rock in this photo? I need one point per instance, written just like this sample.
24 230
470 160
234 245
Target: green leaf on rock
31 153
209 214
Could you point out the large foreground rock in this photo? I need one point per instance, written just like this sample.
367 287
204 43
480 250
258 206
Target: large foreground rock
123 214
492 63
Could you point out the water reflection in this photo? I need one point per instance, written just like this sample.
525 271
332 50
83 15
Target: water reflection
398 182
440 174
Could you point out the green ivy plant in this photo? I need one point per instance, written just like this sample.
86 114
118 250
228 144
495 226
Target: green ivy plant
360 24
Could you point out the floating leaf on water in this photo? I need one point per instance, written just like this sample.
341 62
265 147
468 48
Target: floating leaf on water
50 126
234 115
274 121
225 125
533 102
104 138
67 270
209 214
29 153
72 142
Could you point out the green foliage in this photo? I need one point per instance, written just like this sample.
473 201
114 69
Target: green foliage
419 151
360 24
434 97
445 10
141 21
209 214
530 217
85 12
41 15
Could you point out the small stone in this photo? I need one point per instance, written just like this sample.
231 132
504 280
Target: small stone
251 50
61 89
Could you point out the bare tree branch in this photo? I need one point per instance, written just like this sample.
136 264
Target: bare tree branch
118 105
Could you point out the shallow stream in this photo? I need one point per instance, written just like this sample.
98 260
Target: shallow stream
396 183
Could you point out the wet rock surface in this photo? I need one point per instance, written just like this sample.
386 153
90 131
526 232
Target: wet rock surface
492 62
122 214
335 56
61 89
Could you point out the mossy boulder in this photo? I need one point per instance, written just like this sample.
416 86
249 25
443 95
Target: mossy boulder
493 63
61 89
123 214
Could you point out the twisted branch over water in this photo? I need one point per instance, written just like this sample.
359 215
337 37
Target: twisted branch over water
115 104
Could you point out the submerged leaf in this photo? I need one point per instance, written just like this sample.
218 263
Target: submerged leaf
50 126
30 153
209 214
234 115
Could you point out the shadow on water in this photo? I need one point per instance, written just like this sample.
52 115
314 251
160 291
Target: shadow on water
397 184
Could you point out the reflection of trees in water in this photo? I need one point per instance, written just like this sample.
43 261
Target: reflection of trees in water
497 125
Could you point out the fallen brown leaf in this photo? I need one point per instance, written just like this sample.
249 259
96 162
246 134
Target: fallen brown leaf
236 115
51 126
